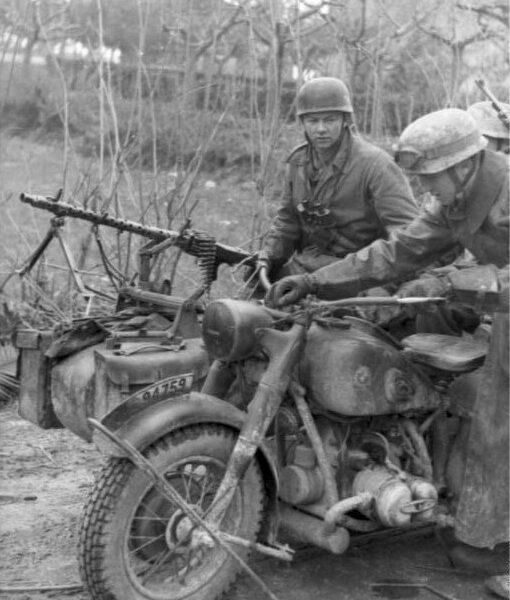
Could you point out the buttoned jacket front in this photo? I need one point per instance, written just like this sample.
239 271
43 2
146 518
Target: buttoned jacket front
361 196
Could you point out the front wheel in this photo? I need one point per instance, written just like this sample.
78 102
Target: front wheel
135 542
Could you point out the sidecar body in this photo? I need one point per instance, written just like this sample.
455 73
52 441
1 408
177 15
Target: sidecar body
64 388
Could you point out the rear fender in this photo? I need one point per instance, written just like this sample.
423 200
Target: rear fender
141 428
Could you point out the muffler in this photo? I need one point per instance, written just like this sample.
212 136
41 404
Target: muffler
309 529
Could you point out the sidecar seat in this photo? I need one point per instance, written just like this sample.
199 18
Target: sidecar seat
445 352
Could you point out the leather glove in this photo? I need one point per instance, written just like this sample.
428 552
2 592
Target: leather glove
289 290
427 286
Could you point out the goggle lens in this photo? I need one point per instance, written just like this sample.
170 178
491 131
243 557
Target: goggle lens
407 159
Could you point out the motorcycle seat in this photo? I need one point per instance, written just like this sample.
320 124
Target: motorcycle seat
445 352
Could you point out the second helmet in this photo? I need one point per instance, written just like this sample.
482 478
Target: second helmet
488 122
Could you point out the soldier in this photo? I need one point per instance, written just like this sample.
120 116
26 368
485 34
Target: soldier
341 192
471 183
492 127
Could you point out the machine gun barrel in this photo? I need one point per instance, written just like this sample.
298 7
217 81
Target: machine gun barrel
185 240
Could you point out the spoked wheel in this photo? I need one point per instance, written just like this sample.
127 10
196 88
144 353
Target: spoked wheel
135 544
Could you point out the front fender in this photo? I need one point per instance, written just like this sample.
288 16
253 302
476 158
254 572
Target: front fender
141 428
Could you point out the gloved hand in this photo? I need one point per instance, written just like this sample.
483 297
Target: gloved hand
426 286
289 290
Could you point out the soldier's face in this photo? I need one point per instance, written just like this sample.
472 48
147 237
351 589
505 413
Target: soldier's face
443 185
440 185
323 129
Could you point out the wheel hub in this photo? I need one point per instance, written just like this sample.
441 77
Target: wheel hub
181 531
178 529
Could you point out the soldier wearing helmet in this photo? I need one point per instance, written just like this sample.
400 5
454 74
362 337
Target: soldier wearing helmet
448 153
491 126
341 193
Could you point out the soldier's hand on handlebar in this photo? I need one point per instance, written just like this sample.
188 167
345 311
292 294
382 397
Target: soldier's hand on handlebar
289 290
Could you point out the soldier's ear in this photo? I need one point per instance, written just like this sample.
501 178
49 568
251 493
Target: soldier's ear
466 166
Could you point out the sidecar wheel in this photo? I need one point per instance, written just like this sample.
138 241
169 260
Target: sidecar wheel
134 542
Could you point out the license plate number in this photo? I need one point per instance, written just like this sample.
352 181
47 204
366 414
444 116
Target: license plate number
165 388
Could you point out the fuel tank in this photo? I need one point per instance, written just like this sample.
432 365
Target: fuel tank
350 371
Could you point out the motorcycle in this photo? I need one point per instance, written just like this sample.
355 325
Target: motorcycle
312 424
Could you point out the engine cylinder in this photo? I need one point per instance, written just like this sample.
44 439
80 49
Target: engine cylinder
300 486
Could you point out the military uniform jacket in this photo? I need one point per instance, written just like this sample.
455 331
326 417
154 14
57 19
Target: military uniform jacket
483 229
362 195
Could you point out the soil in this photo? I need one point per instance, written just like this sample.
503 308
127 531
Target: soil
46 476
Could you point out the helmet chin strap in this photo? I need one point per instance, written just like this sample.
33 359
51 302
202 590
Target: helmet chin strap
457 209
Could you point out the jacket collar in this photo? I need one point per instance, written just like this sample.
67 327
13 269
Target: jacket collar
485 190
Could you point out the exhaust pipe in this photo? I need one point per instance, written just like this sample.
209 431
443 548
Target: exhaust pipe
309 529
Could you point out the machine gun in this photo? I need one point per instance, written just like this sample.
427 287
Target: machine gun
501 114
205 248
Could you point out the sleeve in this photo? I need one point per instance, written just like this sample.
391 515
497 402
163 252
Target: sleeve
392 196
406 251
285 231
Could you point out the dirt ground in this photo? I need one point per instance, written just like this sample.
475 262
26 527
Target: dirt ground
45 477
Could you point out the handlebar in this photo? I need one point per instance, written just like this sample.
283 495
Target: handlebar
381 301
359 301
322 305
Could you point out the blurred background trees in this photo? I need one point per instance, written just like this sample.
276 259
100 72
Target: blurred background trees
401 59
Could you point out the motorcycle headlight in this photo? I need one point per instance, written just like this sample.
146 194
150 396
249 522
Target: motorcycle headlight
229 328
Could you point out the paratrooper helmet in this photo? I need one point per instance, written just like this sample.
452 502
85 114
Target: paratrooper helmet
437 141
488 122
323 94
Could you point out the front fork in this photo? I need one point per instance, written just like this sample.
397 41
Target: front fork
284 349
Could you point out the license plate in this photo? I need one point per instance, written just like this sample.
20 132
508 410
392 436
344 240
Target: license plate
165 388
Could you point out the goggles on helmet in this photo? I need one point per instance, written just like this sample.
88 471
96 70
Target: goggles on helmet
407 158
